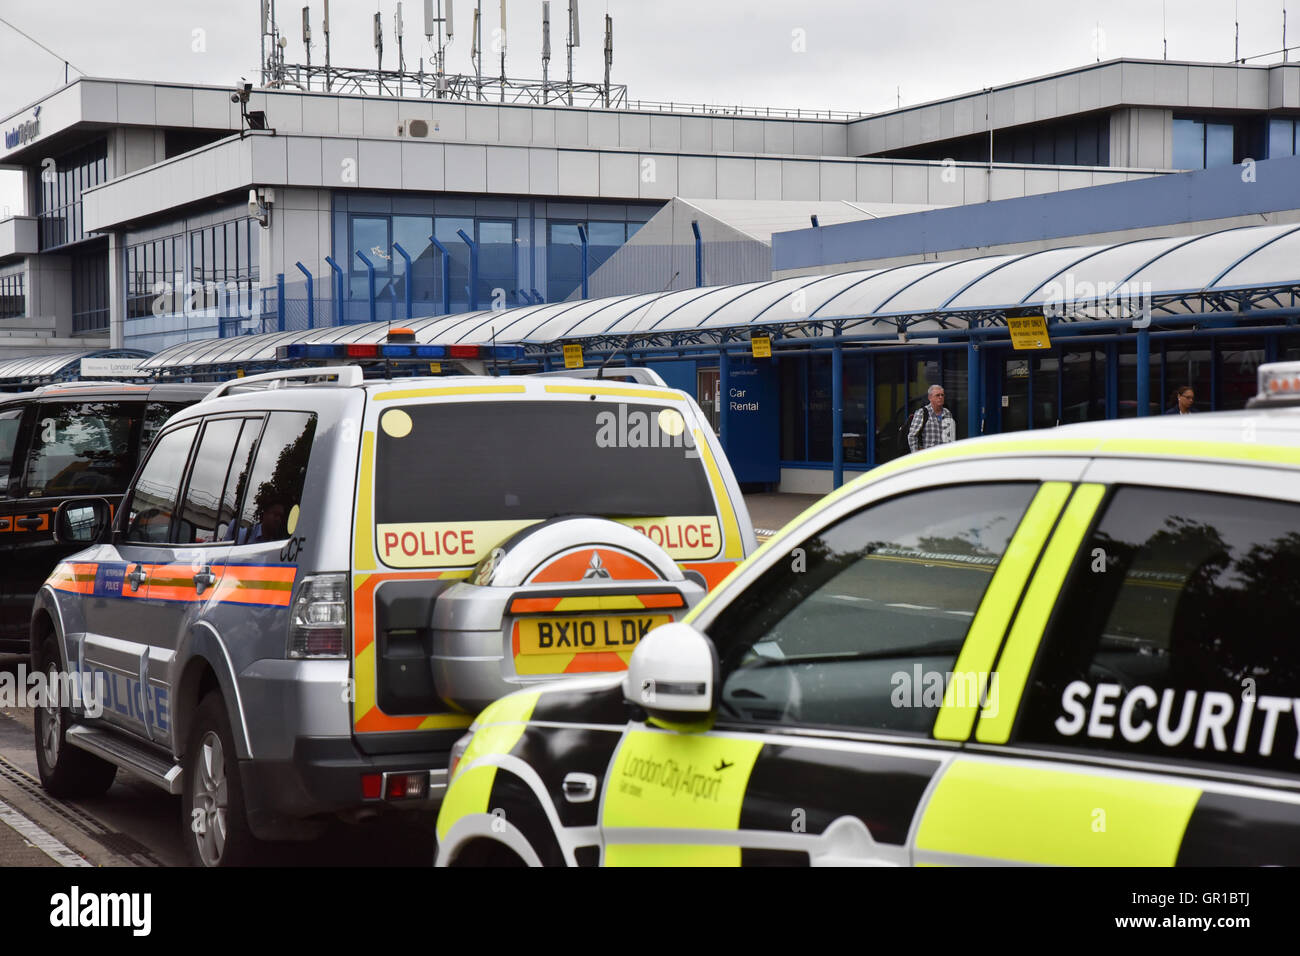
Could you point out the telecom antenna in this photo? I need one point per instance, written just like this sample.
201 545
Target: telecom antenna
1164 27
379 39
326 27
609 52
1236 33
399 29
436 23
503 51
1284 53
546 51
574 40
306 33
476 48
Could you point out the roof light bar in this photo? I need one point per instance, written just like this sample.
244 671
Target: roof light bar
1279 384
396 352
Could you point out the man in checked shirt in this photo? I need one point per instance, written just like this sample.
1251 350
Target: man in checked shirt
932 424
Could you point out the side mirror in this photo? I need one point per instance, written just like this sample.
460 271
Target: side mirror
673 676
82 521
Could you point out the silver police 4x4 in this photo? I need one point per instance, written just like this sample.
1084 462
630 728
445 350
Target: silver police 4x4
315 580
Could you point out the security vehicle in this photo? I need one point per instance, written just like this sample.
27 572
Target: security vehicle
1066 647
316 579
58 442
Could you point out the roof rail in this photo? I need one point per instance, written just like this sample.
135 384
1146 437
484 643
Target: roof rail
341 376
106 383
643 376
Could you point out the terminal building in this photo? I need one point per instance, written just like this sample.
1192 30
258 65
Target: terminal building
1146 208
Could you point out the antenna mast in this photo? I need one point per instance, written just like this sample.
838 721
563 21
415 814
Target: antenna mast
573 41
326 27
503 51
609 52
546 51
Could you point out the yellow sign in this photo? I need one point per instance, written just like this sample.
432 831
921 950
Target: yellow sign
761 346
435 368
573 356
1028 332
239 373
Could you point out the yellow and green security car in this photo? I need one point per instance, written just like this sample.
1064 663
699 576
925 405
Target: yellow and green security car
1069 647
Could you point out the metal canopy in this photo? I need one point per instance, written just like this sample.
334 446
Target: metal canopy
1232 270
55 365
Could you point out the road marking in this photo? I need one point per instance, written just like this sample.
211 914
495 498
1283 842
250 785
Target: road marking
38 838
913 607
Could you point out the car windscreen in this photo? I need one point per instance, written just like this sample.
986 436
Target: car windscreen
535 460
82 448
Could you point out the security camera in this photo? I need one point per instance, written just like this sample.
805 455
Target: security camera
254 207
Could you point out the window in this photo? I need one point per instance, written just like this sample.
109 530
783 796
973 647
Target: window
13 302
1281 138
270 511
82 448
10 419
90 289
862 626
154 500
223 264
155 416
59 198
581 458
204 518
1203 144
152 283
1175 635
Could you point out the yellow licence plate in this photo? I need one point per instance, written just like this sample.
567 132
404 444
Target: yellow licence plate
577 635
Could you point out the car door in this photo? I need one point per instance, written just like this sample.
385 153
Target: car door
75 448
127 621
1159 719
12 623
843 664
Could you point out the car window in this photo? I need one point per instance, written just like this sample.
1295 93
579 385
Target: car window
155 416
10 419
81 448
153 500
495 461
202 508
1175 636
860 625
241 465
271 504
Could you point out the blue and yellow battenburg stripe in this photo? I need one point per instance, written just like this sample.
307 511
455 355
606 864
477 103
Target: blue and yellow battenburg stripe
261 585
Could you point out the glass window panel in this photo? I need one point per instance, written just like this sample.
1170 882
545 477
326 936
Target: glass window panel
1218 145
154 499
201 509
275 486
1281 138
1189 144
891 408
793 415
824 644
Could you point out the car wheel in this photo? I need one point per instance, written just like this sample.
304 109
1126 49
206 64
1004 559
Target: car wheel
65 771
214 824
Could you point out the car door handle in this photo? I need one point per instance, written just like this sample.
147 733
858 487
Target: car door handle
30 523
204 579
579 787
137 577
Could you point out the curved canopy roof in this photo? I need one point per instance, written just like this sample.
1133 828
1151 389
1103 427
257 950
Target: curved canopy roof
54 364
921 295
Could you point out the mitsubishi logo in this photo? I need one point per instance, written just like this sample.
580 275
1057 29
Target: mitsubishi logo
595 569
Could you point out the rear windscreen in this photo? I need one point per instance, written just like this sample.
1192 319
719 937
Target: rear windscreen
506 461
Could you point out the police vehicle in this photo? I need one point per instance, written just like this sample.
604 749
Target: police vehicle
1066 647
64 441
315 580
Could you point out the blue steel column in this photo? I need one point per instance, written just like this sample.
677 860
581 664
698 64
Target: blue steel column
699 254
338 290
407 259
724 368
279 301
1143 372
370 269
446 275
837 413
311 296
974 387
473 269
582 238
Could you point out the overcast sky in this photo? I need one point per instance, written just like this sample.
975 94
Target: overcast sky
859 55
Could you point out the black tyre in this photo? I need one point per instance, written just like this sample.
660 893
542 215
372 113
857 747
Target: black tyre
214 824
65 771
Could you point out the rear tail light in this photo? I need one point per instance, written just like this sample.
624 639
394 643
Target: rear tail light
318 626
